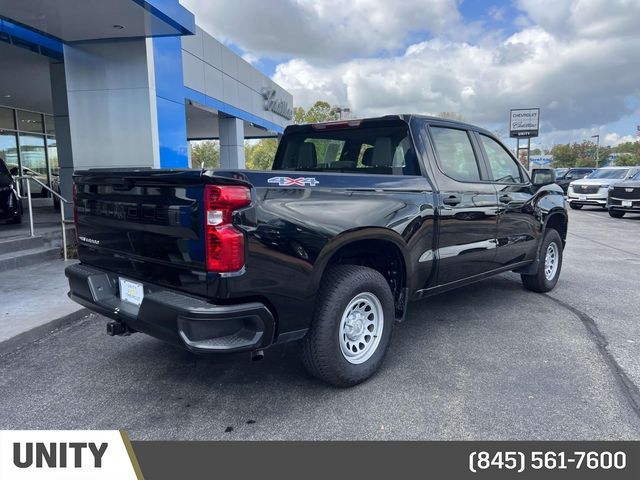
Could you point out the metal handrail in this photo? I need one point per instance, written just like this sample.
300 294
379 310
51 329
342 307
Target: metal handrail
54 193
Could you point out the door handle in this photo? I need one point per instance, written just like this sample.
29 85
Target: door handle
452 200
505 199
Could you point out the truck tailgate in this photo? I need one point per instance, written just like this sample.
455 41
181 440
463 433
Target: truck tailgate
144 224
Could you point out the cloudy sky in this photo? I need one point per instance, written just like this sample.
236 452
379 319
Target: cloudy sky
578 60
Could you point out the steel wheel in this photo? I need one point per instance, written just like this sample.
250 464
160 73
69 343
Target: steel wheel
361 328
551 261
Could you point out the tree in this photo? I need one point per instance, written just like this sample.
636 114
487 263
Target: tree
205 154
259 155
321 111
563 156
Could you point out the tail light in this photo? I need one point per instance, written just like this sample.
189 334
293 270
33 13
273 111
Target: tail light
75 210
224 243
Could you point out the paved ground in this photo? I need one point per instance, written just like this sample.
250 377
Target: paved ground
489 362
48 286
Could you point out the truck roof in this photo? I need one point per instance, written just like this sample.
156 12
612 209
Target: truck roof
405 117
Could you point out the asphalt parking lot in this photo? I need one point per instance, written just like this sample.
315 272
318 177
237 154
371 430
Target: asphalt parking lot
489 362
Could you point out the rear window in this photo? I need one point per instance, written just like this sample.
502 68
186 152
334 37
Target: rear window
381 150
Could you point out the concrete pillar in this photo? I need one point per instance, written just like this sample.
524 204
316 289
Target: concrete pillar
63 132
112 104
231 142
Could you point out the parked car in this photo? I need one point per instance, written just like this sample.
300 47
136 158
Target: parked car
570 175
624 197
594 189
356 219
560 172
10 206
36 189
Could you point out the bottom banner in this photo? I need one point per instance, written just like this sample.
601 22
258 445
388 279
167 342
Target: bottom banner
389 460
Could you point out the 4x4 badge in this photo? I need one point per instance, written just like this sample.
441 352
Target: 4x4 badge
298 182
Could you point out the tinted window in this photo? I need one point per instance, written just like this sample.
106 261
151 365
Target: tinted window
3 168
455 154
381 150
504 168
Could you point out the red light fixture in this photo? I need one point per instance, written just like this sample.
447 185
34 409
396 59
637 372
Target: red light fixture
224 243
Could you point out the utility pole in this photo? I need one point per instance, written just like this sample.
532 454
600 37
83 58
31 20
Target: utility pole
597 137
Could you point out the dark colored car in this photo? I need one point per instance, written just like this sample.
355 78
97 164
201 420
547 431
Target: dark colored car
10 206
624 197
356 219
570 175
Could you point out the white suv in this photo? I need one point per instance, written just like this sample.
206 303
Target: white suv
593 189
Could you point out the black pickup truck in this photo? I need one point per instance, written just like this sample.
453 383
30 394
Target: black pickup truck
356 219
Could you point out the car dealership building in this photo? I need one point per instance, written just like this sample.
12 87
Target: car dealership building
123 83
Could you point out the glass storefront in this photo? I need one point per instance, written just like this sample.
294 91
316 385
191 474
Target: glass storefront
28 144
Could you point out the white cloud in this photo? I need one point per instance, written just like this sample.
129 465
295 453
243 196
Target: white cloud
584 18
323 29
577 84
575 59
615 139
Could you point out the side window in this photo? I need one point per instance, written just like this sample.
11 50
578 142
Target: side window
455 154
504 168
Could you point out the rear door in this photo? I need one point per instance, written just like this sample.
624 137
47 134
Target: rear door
467 206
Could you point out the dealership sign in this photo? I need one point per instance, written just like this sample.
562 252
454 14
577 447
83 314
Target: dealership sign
541 160
276 105
524 122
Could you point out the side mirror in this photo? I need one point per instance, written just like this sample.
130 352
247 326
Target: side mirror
543 176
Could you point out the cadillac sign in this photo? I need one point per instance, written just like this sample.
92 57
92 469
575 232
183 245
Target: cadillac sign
276 105
524 123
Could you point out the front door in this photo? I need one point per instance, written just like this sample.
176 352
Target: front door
467 207
518 227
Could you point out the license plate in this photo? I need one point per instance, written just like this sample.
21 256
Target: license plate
582 197
132 292
627 203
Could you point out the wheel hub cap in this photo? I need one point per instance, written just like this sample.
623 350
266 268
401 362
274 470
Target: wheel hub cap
551 261
361 328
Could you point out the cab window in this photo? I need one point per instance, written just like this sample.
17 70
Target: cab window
504 168
455 154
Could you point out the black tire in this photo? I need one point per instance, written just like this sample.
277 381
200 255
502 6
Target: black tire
616 213
322 355
16 220
539 281
575 206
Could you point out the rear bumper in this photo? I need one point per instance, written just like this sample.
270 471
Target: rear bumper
173 316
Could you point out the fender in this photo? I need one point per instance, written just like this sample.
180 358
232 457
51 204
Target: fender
351 236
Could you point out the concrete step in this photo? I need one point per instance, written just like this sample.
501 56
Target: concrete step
17 244
31 256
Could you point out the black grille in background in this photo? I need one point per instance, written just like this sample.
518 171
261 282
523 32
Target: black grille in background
586 188
621 192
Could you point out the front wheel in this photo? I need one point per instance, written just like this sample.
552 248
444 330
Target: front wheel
351 327
616 213
549 264
575 206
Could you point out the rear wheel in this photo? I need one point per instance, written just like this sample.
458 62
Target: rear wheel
616 213
575 206
351 328
549 264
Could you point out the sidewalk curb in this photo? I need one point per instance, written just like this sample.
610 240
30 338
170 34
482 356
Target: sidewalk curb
36 333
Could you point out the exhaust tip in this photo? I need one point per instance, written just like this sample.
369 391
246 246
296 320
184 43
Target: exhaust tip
257 355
